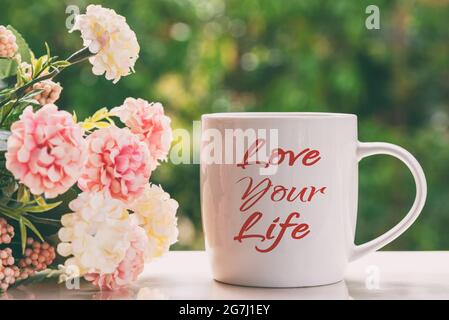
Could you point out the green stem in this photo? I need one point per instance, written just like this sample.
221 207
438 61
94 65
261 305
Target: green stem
75 58
80 56
46 221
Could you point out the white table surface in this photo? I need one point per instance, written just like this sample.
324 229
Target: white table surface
186 275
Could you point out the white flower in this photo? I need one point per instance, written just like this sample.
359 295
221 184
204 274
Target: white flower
97 234
110 38
67 273
156 213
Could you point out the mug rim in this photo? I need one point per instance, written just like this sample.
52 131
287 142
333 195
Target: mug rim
286 115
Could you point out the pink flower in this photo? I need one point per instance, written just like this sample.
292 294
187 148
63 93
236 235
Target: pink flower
8 44
129 268
147 120
46 150
50 91
117 162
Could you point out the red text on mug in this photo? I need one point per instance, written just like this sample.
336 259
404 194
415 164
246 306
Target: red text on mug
292 225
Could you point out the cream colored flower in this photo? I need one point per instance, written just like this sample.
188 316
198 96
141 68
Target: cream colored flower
110 38
156 213
8 44
51 91
97 234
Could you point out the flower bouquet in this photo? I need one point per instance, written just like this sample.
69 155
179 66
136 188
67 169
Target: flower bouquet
96 170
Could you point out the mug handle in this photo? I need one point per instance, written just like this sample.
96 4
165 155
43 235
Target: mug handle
365 149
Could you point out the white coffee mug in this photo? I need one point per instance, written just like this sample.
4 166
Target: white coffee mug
279 196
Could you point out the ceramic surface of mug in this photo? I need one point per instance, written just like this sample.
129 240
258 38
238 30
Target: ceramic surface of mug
279 196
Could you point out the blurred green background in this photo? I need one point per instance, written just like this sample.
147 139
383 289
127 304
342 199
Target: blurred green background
201 56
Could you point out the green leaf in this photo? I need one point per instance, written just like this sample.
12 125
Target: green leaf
18 216
33 228
7 183
39 277
61 64
10 185
37 66
47 49
42 208
10 213
23 234
31 102
6 110
14 113
6 92
40 200
23 194
8 67
46 221
31 94
24 49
